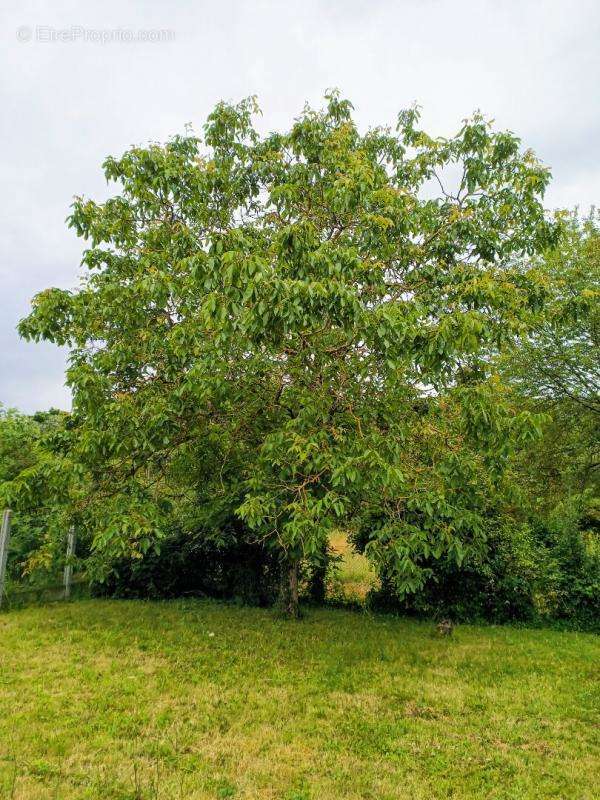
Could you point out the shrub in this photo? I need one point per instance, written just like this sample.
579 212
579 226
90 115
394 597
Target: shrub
224 565
544 569
571 539
496 584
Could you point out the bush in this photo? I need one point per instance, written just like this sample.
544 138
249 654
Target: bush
223 563
542 570
497 584
571 538
224 566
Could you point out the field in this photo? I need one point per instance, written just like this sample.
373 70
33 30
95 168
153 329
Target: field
126 700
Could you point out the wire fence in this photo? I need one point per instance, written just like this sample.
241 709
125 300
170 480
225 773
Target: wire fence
59 583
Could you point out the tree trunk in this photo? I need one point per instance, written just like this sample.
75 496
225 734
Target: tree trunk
289 589
318 576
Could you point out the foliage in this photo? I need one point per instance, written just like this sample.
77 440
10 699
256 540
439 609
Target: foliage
538 571
560 359
17 443
222 564
24 442
570 543
291 309
497 584
539 559
556 370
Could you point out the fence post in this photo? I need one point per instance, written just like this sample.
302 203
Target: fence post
4 542
68 574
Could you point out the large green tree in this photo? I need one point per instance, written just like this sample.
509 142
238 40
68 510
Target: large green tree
314 308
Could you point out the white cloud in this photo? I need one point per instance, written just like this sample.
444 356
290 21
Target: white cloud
533 65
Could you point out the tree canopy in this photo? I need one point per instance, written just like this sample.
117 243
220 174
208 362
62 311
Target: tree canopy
300 326
556 367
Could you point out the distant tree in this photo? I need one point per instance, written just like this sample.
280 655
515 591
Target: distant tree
25 465
286 317
21 438
18 437
560 359
555 368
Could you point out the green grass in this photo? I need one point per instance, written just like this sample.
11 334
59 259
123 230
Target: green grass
117 700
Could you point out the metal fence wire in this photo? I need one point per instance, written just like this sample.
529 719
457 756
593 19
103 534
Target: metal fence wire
61 583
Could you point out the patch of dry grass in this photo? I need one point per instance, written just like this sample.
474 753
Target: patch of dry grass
356 577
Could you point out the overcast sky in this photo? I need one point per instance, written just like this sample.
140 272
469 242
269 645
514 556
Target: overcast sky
533 65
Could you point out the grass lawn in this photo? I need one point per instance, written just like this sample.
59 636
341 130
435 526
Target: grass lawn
129 700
